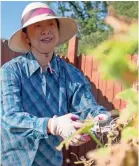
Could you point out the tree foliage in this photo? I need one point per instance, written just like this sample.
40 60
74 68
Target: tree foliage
89 15
90 18
126 8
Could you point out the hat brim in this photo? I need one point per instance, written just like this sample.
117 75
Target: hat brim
68 28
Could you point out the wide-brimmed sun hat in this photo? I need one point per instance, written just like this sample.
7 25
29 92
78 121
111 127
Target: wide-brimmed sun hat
36 12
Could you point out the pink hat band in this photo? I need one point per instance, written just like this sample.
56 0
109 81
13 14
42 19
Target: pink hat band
36 12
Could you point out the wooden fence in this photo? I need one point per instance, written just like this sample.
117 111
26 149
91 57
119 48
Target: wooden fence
103 91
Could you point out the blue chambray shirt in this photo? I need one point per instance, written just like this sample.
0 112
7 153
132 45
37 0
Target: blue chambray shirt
29 98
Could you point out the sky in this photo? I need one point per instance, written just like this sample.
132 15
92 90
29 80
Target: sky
11 12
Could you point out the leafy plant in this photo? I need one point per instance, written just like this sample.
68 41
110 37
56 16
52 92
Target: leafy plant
113 56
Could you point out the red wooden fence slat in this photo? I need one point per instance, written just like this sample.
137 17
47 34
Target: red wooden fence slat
101 90
2 57
88 66
109 94
117 89
79 59
83 62
6 53
123 103
72 51
95 78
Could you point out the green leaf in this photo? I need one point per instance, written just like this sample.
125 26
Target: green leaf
129 133
128 95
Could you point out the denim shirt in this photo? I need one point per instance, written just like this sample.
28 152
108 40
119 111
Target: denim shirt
29 97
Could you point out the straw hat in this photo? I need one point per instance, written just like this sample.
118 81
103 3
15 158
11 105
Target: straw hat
36 12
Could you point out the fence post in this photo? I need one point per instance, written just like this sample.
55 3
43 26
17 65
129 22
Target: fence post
72 50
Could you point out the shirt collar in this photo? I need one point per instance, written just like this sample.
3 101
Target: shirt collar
34 65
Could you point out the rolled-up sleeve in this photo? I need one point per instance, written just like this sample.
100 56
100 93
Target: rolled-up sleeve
12 110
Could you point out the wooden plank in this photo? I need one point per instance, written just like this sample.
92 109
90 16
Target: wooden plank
83 59
72 50
2 52
117 89
88 66
123 103
95 78
66 154
82 152
101 90
109 95
74 150
91 145
79 61
6 53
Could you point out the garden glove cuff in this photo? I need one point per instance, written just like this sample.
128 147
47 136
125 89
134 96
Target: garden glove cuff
65 125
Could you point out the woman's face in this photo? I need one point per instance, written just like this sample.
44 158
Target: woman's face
43 36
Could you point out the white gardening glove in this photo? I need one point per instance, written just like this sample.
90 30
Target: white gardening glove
101 120
65 125
79 140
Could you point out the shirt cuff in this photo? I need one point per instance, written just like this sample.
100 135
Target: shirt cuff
99 110
41 126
